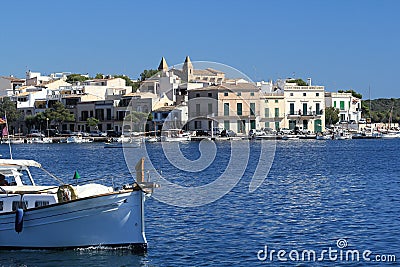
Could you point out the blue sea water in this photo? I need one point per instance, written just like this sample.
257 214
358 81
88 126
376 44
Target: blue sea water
317 195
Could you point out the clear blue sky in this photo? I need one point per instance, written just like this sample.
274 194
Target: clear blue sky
341 44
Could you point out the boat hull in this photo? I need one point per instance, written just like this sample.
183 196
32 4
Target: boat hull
110 220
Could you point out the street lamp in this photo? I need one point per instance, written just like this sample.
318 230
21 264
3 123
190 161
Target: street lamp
48 131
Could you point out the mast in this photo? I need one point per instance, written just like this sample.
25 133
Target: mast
8 135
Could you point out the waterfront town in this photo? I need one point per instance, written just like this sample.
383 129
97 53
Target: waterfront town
202 101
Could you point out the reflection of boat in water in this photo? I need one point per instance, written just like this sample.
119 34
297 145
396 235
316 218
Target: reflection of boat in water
290 137
122 145
175 135
66 216
152 139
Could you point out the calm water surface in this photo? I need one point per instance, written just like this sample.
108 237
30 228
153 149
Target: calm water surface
316 193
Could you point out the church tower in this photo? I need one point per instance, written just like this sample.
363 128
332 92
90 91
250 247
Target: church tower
163 65
188 70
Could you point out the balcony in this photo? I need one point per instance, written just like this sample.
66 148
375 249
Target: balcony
310 114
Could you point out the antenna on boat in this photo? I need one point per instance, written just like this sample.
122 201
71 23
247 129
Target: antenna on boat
5 130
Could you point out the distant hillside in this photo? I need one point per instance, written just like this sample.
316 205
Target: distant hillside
381 109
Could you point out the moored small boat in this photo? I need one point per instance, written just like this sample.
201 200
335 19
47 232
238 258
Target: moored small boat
69 216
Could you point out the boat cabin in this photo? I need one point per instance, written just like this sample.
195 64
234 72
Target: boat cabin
18 189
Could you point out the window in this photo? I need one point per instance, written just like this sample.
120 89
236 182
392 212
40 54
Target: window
197 109
252 109
316 94
1 205
266 101
252 124
41 203
225 93
227 125
305 125
277 127
267 124
291 94
209 94
252 94
226 109
241 126
304 94
210 109
197 125
108 111
305 109
341 105
239 109
334 104
276 112
317 109
276 100
238 93
197 95
291 108
266 112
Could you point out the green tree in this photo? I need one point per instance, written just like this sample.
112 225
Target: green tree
99 76
59 114
331 115
128 80
353 93
137 119
147 74
299 82
41 120
76 78
10 108
30 121
92 122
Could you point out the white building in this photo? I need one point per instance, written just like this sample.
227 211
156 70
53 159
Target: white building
9 85
349 106
305 106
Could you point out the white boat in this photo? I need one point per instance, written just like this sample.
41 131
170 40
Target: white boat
66 216
342 135
175 135
13 141
390 135
78 139
41 140
323 137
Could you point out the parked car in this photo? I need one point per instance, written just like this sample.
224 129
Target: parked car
228 133
201 133
217 131
97 133
35 133
285 131
112 133
269 130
